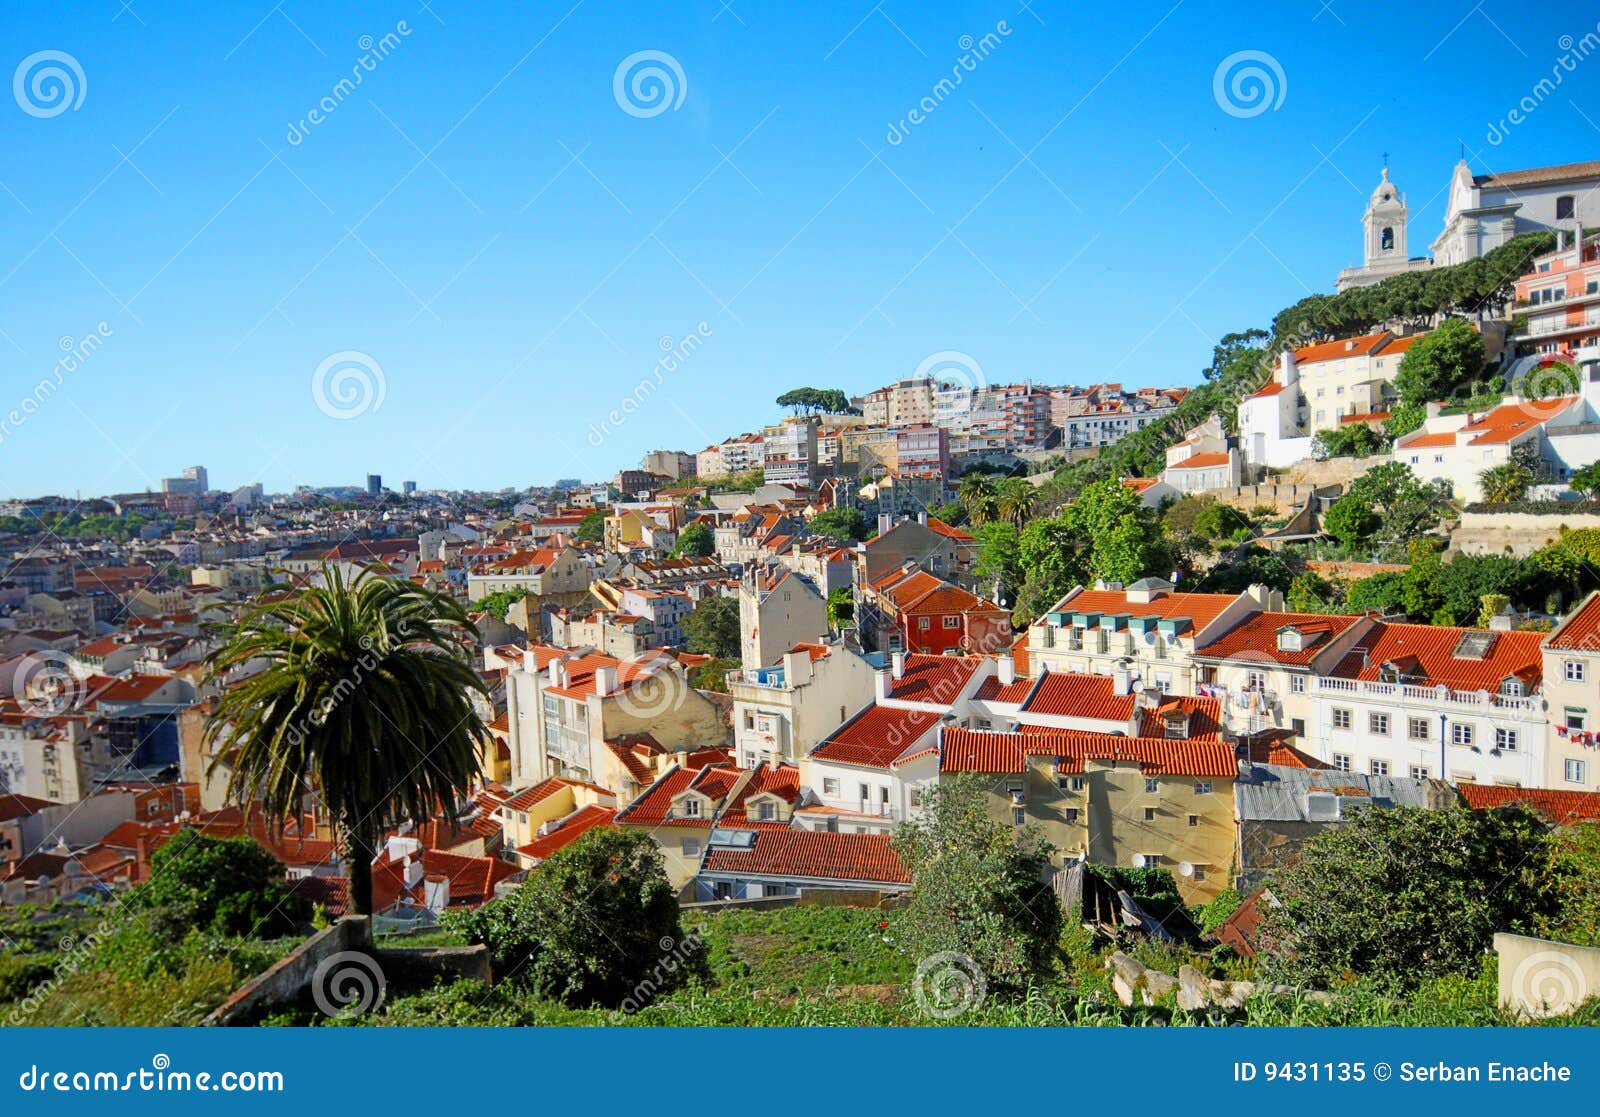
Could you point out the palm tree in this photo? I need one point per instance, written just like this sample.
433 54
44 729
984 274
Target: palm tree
978 497
1015 499
365 698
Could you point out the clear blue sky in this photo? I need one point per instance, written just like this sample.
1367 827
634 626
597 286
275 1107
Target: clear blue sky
484 220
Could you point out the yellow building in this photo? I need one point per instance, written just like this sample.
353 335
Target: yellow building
1134 802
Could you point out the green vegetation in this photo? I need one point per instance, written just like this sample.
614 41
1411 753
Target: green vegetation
696 541
847 525
1387 505
596 925
1441 364
805 401
841 608
712 628
366 696
1353 440
1509 482
1403 895
232 888
1105 533
978 888
73 525
592 528
499 602
1587 481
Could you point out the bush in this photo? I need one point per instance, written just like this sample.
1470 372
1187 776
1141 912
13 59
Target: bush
596 924
221 886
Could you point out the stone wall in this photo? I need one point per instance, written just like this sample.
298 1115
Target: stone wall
1542 978
283 982
1284 497
1493 533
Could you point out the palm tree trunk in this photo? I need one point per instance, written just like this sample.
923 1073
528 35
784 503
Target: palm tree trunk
360 854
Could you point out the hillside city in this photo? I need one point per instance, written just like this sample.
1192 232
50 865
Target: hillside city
1162 659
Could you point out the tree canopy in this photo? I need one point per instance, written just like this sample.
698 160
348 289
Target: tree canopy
811 400
712 627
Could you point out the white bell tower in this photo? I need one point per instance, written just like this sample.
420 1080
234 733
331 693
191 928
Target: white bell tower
1385 221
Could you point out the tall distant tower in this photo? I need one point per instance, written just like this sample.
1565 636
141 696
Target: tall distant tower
1385 222
1384 253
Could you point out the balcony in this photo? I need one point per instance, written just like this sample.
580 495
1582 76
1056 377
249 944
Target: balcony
1481 700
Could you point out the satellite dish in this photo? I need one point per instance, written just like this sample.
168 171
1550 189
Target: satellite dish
1150 636
1186 869
1140 860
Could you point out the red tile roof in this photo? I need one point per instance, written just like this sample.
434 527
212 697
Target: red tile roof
1068 694
993 691
1579 632
1339 348
1510 420
573 827
976 750
1560 807
651 808
1256 637
939 527
1424 656
1201 608
812 855
1201 461
21 806
1204 718
876 737
933 679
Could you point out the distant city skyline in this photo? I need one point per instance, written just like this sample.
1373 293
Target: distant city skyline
445 244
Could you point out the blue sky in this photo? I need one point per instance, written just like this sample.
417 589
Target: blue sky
483 221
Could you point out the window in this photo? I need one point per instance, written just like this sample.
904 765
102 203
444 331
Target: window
915 798
1194 820
1018 816
1202 787
767 812
691 808
1577 717
1378 724
1298 726
1072 816
1151 786
1341 718
1577 771
1461 733
1341 761
1380 767
1297 684
952 622
830 786
690 847
1505 739
1418 772
1199 872
1417 729
924 623
864 792
1149 814
1574 670
1566 206
1080 782
1512 688
749 719
1256 681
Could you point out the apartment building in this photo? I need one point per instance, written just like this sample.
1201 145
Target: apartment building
781 711
1571 690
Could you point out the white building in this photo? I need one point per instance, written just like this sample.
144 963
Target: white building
1486 211
781 712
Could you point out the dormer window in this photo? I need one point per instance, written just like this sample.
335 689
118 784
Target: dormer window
1513 688
691 808
1177 727
1291 640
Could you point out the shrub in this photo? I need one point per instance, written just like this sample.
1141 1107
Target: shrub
223 886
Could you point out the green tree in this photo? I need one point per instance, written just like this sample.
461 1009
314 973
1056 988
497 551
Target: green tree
999 555
1312 593
365 700
977 888
1387 502
596 924
1015 501
592 528
1123 535
1222 522
1587 481
1353 440
712 627
222 886
847 525
498 602
841 608
696 541
977 495
1405 418
1575 873
1379 593
1405 895
1509 481
1436 365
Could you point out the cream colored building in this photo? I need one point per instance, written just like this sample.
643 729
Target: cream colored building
1572 701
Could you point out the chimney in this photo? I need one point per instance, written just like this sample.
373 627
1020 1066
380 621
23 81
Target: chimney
1121 682
897 663
1006 669
922 518
885 522
557 674
411 873
881 684
605 681
436 893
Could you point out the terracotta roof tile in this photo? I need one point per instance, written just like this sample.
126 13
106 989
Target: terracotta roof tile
812 855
